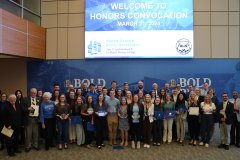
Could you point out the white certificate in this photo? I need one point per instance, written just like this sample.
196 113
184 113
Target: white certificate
7 132
101 114
36 111
194 111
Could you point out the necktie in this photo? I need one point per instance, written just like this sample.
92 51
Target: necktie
14 107
33 101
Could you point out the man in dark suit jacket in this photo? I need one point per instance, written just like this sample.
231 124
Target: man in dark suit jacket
225 112
12 120
31 120
140 87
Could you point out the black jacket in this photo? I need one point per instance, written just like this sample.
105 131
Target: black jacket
26 105
229 112
130 112
11 117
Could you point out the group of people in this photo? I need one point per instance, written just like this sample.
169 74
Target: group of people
94 113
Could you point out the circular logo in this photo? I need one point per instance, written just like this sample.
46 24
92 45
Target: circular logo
183 46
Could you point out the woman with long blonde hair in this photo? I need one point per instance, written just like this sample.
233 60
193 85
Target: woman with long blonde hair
147 120
207 120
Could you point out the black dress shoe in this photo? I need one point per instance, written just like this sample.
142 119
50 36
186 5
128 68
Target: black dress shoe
226 147
17 151
27 149
36 148
232 143
11 154
221 146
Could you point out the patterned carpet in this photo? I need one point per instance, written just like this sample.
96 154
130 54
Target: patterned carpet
173 151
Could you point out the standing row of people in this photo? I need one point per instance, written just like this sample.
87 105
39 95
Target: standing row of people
82 115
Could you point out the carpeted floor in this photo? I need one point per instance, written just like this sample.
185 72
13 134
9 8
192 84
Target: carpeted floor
173 151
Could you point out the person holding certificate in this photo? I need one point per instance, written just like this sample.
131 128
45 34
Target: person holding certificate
193 118
100 110
3 104
123 121
147 120
31 119
47 119
88 121
12 118
135 116
168 107
207 120
76 117
62 111
113 105
158 122
181 115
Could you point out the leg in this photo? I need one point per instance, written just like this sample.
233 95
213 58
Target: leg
122 137
228 134
182 129
178 119
115 126
126 138
35 133
169 124
165 125
28 130
110 130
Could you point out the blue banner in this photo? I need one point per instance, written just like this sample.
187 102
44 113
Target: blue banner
221 74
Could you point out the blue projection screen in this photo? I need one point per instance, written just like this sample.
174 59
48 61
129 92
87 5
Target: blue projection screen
139 29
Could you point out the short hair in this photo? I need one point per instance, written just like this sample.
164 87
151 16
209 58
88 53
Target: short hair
125 83
224 93
56 84
33 90
113 82
47 95
12 96
104 88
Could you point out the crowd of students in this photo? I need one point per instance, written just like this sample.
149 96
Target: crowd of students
89 115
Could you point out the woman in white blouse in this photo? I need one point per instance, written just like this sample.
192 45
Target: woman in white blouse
207 120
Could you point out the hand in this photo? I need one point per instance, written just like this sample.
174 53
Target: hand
30 108
9 127
43 126
223 119
92 122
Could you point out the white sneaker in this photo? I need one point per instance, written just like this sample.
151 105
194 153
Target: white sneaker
206 145
158 144
148 146
144 146
133 145
201 144
138 144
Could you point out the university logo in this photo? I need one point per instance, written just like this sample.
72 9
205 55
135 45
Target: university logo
183 46
94 47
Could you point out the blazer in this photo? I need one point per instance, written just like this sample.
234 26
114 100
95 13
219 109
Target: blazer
26 105
130 112
229 112
151 113
11 116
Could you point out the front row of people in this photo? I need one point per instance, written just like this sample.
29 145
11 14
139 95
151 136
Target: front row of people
144 120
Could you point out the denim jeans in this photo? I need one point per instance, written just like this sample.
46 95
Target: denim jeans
62 126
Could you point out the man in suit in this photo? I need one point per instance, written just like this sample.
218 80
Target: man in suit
225 112
140 88
235 128
31 105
